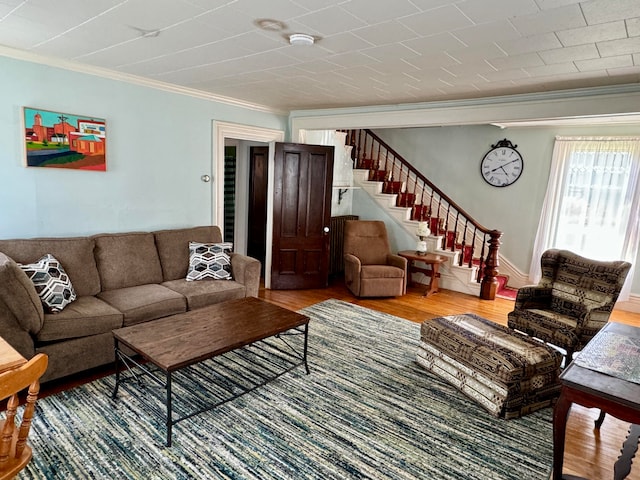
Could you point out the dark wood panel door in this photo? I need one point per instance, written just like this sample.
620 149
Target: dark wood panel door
301 216
257 218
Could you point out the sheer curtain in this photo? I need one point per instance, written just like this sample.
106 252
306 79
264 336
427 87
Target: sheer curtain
592 204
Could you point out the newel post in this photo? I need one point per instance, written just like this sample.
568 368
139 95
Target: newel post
489 284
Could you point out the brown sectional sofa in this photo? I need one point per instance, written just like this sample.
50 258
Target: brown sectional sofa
120 280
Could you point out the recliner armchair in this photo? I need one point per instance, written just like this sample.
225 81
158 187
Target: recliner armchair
370 269
572 301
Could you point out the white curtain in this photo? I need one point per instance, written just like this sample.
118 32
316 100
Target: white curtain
592 204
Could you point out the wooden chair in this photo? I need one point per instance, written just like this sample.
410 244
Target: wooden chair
14 451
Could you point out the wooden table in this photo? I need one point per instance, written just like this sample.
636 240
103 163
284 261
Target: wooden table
592 389
179 341
431 260
9 357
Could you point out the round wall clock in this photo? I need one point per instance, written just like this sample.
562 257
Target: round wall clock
502 165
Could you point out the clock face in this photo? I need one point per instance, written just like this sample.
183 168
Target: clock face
501 166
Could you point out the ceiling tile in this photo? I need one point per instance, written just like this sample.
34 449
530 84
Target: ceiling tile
471 54
548 70
497 31
469 68
434 43
592 33
561 18
390 52
351 59
433 60
378 12
532 43
503 75
569 54
485 10
343 42
633 26
331 20
517 61
549 4
384 33
603 11
436 21
605 63
619 47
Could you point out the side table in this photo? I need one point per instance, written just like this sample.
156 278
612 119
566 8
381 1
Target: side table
592 389
430 260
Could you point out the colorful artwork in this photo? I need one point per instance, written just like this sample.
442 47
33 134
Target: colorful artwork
64 140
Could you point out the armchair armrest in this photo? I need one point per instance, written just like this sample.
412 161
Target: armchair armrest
533 296
352 270
400 262
246 270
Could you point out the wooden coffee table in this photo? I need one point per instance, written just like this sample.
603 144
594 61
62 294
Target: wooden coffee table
173 343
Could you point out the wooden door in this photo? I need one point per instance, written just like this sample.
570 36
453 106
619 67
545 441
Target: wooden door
301 215
257 217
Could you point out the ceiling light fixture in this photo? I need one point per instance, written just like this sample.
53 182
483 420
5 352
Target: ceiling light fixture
301 39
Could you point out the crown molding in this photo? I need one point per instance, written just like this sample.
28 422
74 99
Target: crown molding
133 79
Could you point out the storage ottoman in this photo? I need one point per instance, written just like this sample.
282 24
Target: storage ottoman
506 372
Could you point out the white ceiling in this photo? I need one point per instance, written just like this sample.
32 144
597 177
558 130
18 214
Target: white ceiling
367 52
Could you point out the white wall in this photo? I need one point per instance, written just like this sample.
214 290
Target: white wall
158 145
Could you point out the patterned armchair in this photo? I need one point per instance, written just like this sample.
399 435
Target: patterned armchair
573 300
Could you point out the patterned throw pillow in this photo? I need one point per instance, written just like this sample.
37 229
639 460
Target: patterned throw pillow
209 261
52 283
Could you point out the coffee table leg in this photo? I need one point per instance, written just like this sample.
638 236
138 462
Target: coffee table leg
169 414
306 339
117 367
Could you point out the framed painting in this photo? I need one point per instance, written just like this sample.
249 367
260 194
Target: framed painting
64 140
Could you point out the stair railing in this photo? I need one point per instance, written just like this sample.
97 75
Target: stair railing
459 231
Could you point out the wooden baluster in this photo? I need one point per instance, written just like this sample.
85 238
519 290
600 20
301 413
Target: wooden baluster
473 246
481 264
489 284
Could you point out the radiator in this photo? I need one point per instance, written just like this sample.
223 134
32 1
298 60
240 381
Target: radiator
336 260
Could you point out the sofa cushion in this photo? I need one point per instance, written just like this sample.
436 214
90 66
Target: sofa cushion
51 282
209 261
127 259
200 294
76 254
86 316
173 248
144 302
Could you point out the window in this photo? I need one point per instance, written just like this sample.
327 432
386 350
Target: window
592 199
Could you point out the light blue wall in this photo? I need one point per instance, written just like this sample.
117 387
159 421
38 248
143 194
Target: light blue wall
158 145
450 157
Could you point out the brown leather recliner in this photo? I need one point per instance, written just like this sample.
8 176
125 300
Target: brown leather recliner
370 269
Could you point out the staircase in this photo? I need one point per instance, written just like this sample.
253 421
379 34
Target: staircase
410 198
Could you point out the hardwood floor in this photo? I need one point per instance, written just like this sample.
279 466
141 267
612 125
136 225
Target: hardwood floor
588 453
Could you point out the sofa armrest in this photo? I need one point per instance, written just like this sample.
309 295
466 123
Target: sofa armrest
246 270
532 296
21 312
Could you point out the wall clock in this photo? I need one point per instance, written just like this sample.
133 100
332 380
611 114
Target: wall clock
502 165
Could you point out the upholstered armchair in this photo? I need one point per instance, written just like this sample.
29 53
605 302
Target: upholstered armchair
370 269
572 301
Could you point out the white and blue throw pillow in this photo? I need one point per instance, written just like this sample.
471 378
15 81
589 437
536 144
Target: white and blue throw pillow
52 283
209 261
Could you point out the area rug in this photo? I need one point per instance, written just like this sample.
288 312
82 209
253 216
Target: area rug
366 411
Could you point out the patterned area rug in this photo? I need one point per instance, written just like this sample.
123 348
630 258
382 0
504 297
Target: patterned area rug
366 411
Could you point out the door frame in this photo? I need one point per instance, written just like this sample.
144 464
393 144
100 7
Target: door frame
222 130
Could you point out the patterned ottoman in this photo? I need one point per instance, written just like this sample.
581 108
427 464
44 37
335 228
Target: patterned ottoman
507 373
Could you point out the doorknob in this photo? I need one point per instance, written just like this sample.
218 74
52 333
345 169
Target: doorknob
326 229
